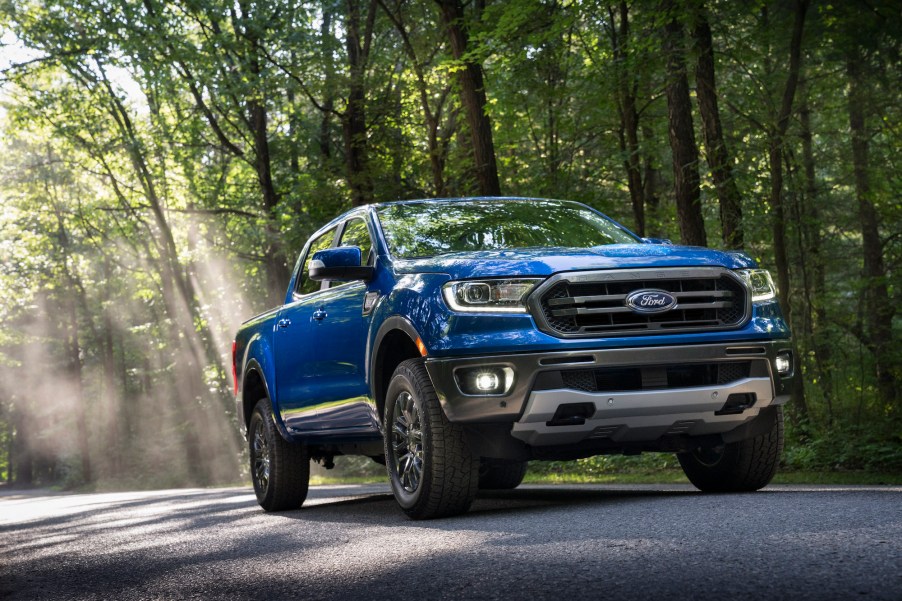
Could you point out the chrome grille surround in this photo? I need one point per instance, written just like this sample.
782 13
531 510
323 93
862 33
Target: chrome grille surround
583 304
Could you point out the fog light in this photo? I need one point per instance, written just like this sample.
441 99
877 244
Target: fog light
480 381
783 363
487 382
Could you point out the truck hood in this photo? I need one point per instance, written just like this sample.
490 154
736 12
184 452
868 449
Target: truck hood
546 261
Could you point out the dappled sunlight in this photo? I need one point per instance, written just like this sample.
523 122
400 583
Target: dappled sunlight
123 378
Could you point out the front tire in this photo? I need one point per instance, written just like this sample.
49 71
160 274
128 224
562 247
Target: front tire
742 466
432 471
280 470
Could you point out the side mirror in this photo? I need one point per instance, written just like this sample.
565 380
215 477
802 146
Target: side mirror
340 264
657 241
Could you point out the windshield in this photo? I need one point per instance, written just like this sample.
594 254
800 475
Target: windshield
435 228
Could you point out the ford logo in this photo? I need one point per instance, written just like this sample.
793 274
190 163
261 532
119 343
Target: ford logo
650 301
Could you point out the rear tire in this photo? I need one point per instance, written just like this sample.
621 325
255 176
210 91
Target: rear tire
742 466
501 475
280 469
432 471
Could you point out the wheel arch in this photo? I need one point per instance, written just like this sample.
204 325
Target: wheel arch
395 342
254 389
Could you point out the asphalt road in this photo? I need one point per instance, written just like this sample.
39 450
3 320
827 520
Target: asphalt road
538 542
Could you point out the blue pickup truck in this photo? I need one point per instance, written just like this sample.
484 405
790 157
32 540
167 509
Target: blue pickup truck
455 340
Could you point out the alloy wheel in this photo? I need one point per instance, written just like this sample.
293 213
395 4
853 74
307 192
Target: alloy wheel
407 442
261 457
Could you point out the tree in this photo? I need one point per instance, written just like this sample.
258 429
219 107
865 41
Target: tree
627 90
682 135
715 148
879 307
473 96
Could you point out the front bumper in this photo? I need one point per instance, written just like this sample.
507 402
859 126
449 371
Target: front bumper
636 415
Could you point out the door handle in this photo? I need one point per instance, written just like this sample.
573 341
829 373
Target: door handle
320 315
284 323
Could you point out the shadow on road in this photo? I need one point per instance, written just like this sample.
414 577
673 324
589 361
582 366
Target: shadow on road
354 542
381 507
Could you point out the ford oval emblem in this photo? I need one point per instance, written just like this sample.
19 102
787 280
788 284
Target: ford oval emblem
651 301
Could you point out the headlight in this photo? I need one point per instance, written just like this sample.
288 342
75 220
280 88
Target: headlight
489 296
760 282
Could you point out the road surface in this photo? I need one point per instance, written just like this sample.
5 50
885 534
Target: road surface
537 542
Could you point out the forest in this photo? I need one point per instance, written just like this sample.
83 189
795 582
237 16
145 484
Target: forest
164 162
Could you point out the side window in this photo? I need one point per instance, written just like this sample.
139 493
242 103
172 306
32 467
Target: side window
306 285
356 234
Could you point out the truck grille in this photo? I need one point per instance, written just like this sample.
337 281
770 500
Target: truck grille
594 303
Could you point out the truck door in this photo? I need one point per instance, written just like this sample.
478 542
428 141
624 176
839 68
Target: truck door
340 330
296 355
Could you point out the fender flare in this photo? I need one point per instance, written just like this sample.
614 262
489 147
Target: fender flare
395 322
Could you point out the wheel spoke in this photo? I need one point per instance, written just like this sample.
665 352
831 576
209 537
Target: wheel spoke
405 468
260 457
407 442
416 469
414 436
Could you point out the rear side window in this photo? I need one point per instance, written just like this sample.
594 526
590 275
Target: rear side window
306 285
357 234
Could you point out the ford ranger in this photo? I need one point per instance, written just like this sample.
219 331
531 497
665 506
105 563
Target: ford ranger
455 340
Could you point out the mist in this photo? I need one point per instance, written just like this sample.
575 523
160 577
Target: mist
107 385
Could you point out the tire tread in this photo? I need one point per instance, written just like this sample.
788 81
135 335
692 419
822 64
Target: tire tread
289 473
746 466
451 484
501 475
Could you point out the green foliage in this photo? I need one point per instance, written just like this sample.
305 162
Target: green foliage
846 448
601 466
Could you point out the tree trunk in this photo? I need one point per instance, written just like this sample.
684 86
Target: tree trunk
629 116
21 451
354 117
277 273
10 449
777 205
110 397
816 291
473 97
276 264
775 155
715 148
73 349
325 124
879 308
431 117
651 176
682 134
72 339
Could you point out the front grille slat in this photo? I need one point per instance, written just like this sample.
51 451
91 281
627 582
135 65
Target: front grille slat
704 294
581 300
593 303
714 305
585 311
